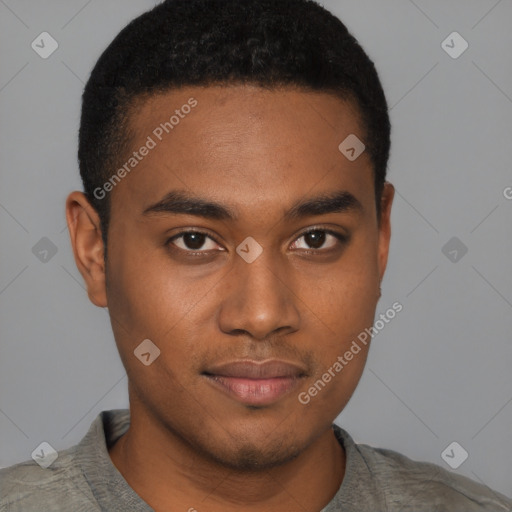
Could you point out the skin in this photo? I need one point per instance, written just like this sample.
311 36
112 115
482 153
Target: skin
257 152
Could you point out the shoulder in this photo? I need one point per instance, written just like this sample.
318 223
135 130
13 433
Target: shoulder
72 479
27 486
417 484
397 483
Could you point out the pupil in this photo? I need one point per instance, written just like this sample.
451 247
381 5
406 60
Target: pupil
194 240
315 239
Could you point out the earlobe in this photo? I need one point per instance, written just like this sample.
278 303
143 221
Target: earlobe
87 243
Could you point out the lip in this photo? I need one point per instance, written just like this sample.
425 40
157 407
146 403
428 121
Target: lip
255 382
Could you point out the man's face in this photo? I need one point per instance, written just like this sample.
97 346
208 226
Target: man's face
302 301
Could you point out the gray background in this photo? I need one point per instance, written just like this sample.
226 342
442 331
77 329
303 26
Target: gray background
439 372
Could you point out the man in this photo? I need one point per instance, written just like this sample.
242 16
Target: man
236 223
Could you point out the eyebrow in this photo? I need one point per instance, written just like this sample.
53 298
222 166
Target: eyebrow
180 202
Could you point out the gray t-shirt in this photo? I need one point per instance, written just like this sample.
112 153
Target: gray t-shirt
84 479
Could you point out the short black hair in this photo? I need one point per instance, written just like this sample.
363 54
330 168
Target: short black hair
269 43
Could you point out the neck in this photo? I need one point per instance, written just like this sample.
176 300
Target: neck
168 474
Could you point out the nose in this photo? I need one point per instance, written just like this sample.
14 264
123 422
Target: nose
259 299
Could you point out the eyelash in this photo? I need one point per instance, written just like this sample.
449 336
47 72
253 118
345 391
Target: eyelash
343 239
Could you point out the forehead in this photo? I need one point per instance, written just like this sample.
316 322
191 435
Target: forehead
221 107
243 142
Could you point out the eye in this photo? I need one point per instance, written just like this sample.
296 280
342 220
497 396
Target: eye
192 241
316 239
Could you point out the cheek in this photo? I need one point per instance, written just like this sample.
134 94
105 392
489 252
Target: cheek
344 300
341 354
346 310
144 298
353 299
148 298
140 284
343 295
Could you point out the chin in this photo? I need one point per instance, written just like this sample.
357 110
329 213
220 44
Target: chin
249 457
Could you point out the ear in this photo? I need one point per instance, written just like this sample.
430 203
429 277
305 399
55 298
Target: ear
388 193
85 233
